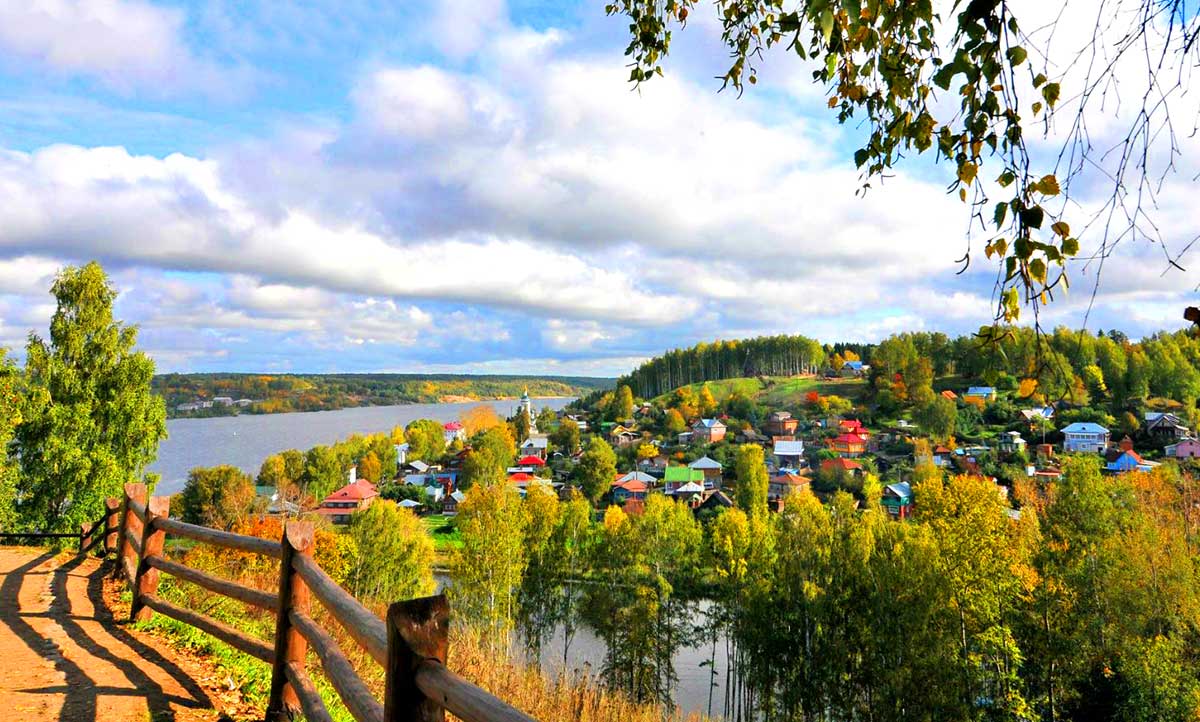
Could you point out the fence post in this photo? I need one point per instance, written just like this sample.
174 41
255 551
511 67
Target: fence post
112 520
290 645
133 492
152 545
85 536
417 630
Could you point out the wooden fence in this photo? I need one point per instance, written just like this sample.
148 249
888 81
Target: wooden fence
411 644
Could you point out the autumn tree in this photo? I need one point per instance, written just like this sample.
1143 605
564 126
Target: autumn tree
216 496
369 468
479 418
937 418
89 422
623 403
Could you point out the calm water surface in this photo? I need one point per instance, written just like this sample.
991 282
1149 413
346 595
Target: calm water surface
244 441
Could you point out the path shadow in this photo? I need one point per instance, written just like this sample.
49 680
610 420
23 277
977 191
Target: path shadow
80 692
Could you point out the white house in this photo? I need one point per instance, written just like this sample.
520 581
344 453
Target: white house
535 446
789 454
1086 437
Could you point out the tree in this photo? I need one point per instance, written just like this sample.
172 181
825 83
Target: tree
519 426
596 469
323 473
545 419
9 418
566 436
752 481
623 403
479 418
216 496
491 561
394 559
938 418
963 86
273 471
426 439
707 405
89 421
369 468
675 422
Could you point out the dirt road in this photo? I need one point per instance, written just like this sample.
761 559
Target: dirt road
63 657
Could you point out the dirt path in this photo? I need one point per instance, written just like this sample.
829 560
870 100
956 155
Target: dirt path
64 658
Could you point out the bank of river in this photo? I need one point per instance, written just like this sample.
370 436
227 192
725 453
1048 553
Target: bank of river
244 441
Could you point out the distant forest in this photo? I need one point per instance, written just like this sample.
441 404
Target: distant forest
279 393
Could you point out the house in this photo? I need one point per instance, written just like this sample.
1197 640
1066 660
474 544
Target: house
898 499
941 456
623 491
1010 442
1084 436
654 464
712 470
401 454
338 506
623 436
986 394
784 484
528 464
854 369
781 423
948 394
1036 416
276 504
788 454
534 446
1185 449
690 493
847 466
409 504
708 431
677 476
637 476
1123 459
1165 426
452 431
222 401
451 502
851 426
715 500
848 445
418 467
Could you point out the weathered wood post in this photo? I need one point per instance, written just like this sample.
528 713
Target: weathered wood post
129 525
112 522
417 630
83 536
290 645
146 581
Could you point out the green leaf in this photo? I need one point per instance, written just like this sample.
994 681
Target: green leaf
860 157
1038 80
831 66
826 25
1006 178
1048 185
1050 92
1001 214
1032 217
1070 246
1037 270
1016 55
966 172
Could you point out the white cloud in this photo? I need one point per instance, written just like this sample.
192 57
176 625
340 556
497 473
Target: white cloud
126 44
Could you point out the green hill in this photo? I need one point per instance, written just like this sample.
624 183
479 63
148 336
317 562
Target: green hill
778 391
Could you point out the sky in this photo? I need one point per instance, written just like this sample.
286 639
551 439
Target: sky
473 186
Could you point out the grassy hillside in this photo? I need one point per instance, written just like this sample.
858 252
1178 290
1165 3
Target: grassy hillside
780 391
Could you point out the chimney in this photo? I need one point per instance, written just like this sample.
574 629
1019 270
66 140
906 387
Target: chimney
1127 444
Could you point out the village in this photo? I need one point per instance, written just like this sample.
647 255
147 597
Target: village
818 453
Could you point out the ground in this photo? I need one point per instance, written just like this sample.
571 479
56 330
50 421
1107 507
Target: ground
67 656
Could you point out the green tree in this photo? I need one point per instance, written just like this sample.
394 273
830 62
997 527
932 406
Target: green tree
273 471
596 470
752 481
89 423
9 418
675 422
426 440
216 496
489 565
566 436
394 557
938 418
323 473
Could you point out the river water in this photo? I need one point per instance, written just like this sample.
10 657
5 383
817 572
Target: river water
244 441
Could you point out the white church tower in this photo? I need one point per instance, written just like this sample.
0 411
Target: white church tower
527 408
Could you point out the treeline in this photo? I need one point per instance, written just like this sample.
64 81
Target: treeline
768 355
317 392
1086 606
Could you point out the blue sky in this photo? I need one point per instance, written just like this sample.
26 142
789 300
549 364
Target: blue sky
467 186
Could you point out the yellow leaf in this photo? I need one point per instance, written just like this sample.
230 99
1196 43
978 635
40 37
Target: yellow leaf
1062 228
966 172
1049 185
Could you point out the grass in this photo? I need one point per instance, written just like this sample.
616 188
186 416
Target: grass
444 532
780 391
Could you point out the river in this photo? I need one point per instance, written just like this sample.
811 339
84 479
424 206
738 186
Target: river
244 441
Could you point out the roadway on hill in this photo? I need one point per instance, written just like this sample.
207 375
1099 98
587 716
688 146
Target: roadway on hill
64 657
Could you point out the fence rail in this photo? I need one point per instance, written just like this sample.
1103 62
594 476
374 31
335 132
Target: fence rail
411 644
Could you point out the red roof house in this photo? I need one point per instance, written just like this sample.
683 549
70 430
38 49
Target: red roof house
338 506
